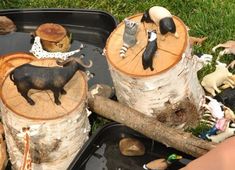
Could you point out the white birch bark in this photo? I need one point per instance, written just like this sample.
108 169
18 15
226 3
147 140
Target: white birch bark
151 94
53 143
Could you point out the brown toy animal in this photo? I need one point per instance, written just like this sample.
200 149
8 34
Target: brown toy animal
229 48
27 77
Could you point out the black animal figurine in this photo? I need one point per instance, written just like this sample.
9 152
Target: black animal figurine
162 18
28 76
227 97
150 50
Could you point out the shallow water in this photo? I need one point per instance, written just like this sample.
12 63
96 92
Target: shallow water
102 152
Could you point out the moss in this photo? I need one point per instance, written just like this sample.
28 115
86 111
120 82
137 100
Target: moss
200 128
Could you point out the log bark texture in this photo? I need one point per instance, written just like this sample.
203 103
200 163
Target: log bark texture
3 152
57 132
150 127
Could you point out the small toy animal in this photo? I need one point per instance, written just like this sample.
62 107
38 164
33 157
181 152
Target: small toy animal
226 84
212 81
232 64
214 107
229 48
229 114
129 36
227 97
6 25
150 50
204 58
162 18
162 164
212 131
28 76
196 40
200 60
229 131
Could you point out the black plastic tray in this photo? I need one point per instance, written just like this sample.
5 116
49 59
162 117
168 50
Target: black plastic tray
89 27
101 151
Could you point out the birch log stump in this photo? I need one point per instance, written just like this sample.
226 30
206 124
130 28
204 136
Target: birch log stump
171 92
57 132
3 152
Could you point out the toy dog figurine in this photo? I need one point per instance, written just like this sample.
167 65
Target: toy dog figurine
28 76
150 50
162 18
129 36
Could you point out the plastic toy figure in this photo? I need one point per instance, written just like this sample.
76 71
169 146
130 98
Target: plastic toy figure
129 36
28 76
150 50
162 164
162 18
212 81
229 48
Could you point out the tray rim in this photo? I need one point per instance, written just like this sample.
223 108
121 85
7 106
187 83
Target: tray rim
74 10
91 139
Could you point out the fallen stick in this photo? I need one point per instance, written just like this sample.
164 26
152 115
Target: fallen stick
151 128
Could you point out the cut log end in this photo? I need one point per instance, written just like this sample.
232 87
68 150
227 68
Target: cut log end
167 55
44 100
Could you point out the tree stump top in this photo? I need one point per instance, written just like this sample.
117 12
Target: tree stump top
45 108
10 61
169 51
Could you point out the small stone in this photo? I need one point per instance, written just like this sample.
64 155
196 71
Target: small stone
102 90
131 147
6 25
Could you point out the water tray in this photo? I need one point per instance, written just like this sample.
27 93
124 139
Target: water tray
101 151
89 27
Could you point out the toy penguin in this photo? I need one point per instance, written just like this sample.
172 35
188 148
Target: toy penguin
162 18
151 48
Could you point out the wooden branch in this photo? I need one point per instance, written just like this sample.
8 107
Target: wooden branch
151 128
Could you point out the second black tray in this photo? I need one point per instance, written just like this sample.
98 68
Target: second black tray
101 151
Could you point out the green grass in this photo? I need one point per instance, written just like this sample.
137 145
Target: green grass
214 19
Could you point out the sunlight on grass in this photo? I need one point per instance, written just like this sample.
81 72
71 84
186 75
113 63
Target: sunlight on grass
214 19
211 18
